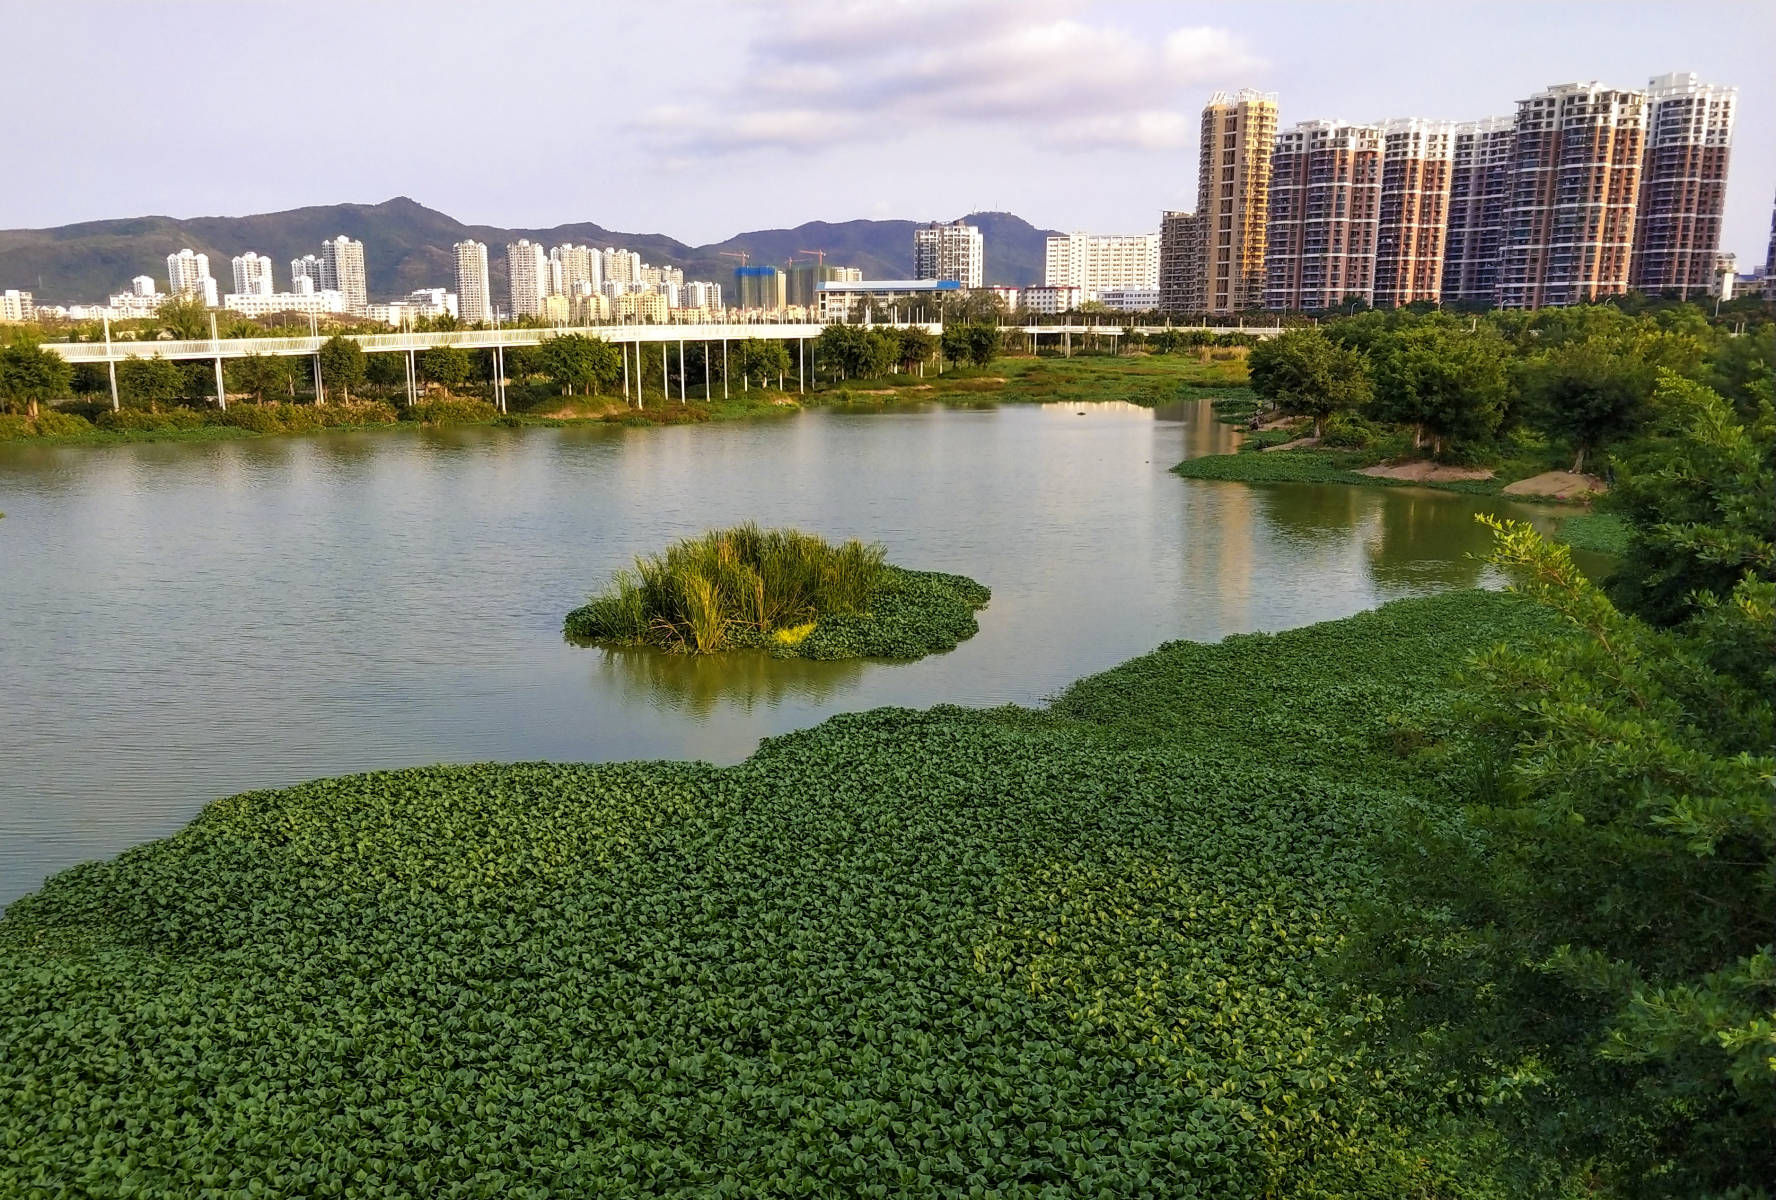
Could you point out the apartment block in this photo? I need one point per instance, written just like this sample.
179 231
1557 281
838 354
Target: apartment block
1325 205
1180 262
527 277
621 266
252 275
1479 190
305 275
17 306
188 274
1233 198
762 288
948 250
575 270
342 271
702 294
1097 262
1416 162
474 298
1575 180
1683 184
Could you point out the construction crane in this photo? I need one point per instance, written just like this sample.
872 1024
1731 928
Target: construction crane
819 255
742 255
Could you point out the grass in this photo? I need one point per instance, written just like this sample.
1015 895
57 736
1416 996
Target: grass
1600 533
1088 951
1145 379
783 590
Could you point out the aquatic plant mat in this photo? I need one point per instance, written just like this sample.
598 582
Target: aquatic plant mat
784 591
946 953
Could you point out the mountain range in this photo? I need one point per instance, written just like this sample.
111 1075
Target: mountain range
408 246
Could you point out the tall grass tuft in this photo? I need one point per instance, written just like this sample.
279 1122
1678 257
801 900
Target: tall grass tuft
732 588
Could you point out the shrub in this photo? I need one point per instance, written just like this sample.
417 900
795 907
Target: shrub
453 410
141 420
51 423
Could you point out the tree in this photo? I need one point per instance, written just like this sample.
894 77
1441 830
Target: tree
762 358
1743 369
1700 500
954 343
446 366
31 375
1304 372
259 374
1586 949
915 346
184 317
149 381
1444 381
1587 392
983 342
342 364
386 370
575 360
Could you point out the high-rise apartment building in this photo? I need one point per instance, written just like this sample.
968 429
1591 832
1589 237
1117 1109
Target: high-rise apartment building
1180 261
1095 262
1770 253
1233 198
1683 184
474 298
621 266
1416 158
580 269
948 250
188 274
764 288
527 277
342 271
305 275
1479 189
702 294
252 275
1575 179
1325 203
17 306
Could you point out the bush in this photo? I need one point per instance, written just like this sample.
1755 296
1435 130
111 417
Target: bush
1347 431
51 423
141 420
452 410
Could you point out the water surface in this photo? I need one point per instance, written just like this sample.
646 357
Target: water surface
188 620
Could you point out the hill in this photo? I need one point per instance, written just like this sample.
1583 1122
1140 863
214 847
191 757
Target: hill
407 246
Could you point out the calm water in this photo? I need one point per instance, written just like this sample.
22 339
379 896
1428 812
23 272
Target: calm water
185 621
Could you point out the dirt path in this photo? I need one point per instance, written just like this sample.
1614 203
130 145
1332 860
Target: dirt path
1297 444
1428 472
1560 485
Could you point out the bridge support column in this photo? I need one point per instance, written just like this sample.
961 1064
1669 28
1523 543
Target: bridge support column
625 352
801 366
724 366
665 377
706 396
111 363
221 395
320 387
681 371
412 379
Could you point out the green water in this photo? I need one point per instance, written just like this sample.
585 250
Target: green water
189 620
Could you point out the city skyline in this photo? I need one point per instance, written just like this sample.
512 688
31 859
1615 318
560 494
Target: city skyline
809 117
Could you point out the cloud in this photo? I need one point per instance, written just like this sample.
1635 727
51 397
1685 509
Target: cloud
829 74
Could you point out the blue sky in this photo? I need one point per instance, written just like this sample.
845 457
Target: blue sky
702 120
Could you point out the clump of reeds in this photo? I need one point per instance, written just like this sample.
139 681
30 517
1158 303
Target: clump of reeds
731 588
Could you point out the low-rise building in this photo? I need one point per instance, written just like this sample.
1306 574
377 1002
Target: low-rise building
1130 299
554 310
589 308
1008 296
319 303
840 299
646 308
132 305
1048 301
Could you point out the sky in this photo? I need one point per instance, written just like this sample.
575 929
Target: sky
702 120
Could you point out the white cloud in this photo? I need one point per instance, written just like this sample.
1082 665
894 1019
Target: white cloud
826 74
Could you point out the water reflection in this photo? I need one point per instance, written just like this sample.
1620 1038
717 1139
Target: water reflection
701 684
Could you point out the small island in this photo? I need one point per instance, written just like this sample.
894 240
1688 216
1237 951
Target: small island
781 590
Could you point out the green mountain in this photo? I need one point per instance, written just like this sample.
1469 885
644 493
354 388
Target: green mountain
407 246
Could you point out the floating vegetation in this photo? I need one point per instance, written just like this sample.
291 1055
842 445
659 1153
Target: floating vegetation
781 590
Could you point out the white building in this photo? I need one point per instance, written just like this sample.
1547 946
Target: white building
1095 262
17 306
342 271
840 299
188 274
700 294
305 274
621 266
267 304
252 274
425 302
527 277
951 251
142 285
129 306
474 299
1130 299
572 266
1057 299
1007 296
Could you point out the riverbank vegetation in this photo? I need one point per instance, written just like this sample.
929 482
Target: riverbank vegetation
780 590
1467 897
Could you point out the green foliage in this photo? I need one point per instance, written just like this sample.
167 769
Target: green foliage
575 360
386 370
342 365
1446 382
944 953
260 375
1597 532
976 343
184 318
304 418
455 410
447 366
1743 369
856 352
1588 948
1700 500
31 376
1305 372
148 381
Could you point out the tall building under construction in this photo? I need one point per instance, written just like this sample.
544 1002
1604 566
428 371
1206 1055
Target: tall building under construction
1325 202
1233 199
1180 262
1416 162
1575 180
1683 185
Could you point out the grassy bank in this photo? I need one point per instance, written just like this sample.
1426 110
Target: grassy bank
1079 952
1144 379
781 590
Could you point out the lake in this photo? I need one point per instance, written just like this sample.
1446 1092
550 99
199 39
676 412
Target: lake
187 620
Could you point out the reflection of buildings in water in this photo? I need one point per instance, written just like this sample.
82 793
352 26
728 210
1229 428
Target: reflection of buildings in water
1217 563
1316 515
1423 541
1203 434
699 683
